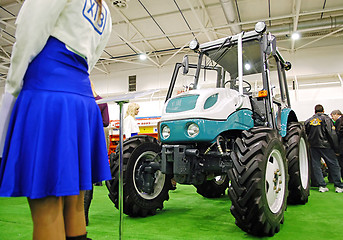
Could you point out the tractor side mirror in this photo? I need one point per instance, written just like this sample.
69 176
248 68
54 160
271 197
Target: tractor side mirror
288 66
270 45
185 65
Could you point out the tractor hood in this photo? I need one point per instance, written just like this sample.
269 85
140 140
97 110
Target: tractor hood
210 103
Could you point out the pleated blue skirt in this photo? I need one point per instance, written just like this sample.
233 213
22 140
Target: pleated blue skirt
55 144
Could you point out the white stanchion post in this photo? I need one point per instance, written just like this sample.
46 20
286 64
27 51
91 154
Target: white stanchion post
120 190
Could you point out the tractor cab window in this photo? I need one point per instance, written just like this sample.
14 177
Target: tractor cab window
209 76
184 82
277 81
274 79
227 57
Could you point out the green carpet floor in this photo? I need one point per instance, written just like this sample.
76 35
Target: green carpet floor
187 215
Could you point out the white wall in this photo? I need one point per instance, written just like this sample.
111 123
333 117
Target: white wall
312 61
147 78
307 64
316 65
303 104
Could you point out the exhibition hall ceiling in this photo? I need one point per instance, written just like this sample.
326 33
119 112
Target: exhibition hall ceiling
162 29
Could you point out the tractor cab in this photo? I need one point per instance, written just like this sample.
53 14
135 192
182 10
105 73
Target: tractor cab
247 65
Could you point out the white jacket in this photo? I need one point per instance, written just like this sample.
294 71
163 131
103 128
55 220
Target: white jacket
73 22
130 126
70 21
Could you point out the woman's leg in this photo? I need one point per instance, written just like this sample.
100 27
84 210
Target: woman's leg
47 217
74 215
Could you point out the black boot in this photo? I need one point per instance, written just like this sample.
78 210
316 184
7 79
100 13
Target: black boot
87 202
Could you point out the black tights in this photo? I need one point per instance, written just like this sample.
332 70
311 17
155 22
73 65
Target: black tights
87 202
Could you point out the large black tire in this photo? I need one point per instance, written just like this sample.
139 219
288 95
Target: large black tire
259 181
213 188
137 151
298 156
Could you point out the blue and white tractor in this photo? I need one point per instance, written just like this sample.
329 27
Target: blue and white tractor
226 124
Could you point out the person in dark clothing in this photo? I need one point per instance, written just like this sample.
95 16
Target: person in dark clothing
337 117
323 144
105 122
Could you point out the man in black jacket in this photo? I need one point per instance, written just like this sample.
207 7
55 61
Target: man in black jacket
323 144
338 120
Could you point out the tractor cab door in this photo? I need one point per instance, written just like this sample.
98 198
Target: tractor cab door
274 97
276 79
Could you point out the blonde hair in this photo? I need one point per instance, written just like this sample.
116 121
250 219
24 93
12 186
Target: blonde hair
131 109
93 90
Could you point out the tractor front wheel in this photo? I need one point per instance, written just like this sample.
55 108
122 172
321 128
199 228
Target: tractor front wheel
145 187
259 181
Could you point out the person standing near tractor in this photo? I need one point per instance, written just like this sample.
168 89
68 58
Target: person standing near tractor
337 117
323 144
130 125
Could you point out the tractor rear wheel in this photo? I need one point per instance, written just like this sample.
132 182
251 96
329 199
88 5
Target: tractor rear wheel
297 154
259 181
213 188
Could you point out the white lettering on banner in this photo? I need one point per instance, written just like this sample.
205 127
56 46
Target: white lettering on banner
90 12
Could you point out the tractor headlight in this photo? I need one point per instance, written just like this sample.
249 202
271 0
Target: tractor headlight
194 44
165 132
260 27
193 130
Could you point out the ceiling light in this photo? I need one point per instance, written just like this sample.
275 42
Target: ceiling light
247 66
120 3
295 36
142 56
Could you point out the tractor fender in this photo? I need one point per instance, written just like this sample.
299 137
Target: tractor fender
287 115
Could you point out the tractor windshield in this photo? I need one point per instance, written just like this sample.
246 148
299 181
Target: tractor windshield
184 82
227 58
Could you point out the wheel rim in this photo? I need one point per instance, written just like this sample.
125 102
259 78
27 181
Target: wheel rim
303 163
159 177
275 181
219 180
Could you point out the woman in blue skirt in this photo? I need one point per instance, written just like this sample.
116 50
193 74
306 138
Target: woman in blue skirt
55 147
